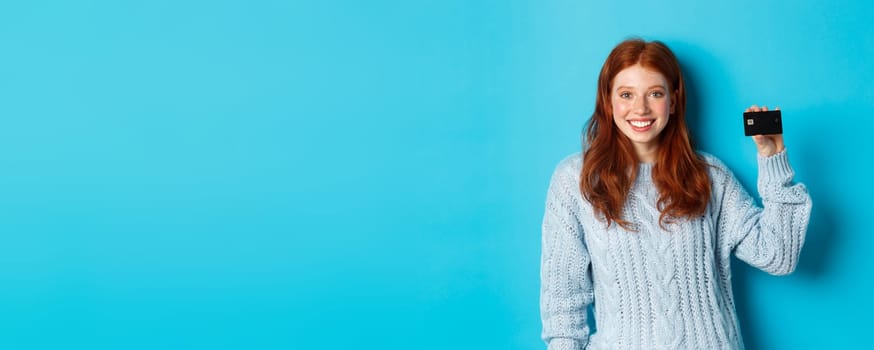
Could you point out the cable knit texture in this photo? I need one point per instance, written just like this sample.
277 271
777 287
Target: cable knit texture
662 288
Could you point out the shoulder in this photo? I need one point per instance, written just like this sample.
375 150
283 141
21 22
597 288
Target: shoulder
715 167
567 171
564 186
723 180
570 165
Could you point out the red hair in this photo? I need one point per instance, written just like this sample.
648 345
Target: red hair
610 164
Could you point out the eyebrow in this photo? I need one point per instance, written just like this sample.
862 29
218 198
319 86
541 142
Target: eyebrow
629 87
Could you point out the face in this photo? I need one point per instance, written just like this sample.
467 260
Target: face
642 103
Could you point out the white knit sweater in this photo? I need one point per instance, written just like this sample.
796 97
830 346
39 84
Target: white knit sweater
657 289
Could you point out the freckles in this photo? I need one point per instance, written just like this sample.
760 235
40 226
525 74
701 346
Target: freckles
659 104
618 111
619 107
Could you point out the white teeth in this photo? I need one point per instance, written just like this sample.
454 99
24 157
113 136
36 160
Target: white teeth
641 123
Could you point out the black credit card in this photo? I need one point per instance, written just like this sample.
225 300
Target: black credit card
763 123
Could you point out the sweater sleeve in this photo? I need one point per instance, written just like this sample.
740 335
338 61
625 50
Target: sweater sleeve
566 287
769 237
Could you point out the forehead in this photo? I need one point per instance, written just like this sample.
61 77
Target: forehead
639 76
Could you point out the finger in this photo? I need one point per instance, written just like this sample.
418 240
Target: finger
777 108
778 142
764 108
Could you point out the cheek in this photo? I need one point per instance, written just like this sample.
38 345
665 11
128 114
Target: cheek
663 105
619 109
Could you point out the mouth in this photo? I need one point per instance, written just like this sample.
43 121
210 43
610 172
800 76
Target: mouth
641 125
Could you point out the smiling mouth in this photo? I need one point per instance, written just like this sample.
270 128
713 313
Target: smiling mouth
641 124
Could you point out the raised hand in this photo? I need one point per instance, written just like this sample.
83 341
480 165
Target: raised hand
767 145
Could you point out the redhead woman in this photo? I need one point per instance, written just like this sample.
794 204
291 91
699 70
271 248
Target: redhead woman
642 227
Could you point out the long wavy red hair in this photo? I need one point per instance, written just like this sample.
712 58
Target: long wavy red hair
610 164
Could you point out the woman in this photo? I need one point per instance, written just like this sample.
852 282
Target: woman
644 227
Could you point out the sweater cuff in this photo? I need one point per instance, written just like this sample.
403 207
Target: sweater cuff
774 171
565 344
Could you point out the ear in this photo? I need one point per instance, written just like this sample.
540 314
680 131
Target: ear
674 101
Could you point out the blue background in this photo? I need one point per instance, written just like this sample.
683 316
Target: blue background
342 174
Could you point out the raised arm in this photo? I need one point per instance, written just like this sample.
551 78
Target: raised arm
768 238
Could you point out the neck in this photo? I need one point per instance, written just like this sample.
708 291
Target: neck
646 153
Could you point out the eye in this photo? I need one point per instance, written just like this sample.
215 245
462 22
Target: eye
625 94
657 94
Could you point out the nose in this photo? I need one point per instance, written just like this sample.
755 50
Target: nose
641 106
